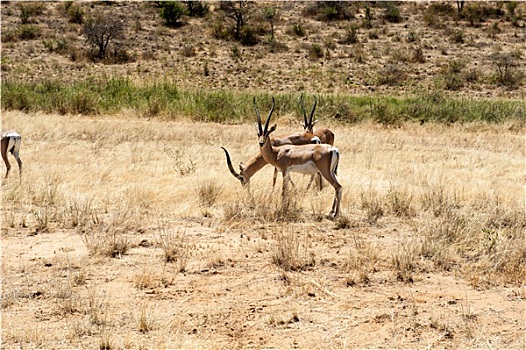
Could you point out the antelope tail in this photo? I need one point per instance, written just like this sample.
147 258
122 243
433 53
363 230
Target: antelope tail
335 160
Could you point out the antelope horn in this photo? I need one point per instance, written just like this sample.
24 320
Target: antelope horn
258 117
230 167
304 111
312 112
269 115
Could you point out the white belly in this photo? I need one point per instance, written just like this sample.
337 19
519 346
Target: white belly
307 169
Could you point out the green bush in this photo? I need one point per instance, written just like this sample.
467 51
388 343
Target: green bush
172 11
298 29
315 51
29 9
248 36
392 13
28 32
329 10
75 14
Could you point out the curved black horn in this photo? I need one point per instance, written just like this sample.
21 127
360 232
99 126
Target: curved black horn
305 124
269 115
312 112
230 167
258 117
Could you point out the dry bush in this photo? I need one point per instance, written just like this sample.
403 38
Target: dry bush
399 203
264 206
108 238
360 262
291 253
404 259
175 247
372 205
208 193
146 320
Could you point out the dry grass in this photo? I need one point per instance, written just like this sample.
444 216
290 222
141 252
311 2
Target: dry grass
430 240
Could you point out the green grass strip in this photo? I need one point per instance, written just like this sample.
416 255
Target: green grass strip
165 100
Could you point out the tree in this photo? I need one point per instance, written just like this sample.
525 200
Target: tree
236 12
270 15
100 30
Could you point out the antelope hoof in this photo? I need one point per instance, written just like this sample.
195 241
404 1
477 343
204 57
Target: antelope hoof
330 216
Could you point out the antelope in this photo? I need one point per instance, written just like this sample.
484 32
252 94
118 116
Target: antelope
258 162
11 141
321 135
306 159
325 135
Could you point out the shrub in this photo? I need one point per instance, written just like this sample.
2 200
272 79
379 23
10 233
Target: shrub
171 12
315 51
219 31
368 18
351 35
10 35
392 13
29 9
452 75
75 14
196 8
457 36
28 32
291 254
56 45
479 12
188 50
507 72
208 193
391 75
329 10
418 55
298 29
236 54
248 36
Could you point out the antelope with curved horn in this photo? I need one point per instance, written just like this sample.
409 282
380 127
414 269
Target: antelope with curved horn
305 159
325 135
321 135
11 141
258 162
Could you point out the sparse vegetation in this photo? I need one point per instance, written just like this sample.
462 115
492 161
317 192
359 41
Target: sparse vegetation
127 230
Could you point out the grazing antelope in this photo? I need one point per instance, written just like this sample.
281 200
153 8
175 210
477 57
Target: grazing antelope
321 135
11 141
306 159
258 162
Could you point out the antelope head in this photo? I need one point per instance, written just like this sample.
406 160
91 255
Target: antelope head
264 132
241 176
308 125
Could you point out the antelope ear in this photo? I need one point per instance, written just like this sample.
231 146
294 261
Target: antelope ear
241 166
256 126
272 129
314 122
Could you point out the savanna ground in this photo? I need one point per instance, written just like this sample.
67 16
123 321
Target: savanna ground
127 230
126 233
